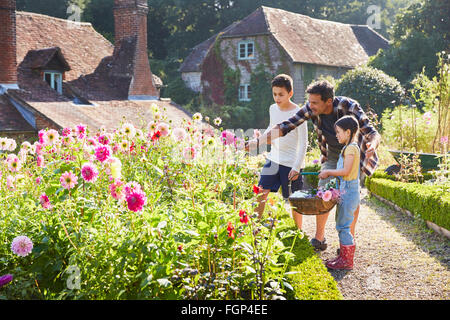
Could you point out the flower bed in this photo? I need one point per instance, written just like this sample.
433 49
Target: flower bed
430 202
162 213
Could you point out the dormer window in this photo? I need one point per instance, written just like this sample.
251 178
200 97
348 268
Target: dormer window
54 80
50 64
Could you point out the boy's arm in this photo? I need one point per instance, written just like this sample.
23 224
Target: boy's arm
302 145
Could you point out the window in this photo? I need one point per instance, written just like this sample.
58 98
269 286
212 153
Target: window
246 50
245 92
54 80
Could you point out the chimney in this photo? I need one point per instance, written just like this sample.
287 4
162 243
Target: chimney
8 61
130 17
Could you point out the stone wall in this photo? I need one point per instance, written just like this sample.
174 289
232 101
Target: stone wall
192 80
266 52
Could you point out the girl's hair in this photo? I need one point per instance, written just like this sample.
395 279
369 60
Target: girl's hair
348 123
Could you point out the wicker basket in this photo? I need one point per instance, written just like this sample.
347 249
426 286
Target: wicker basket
311 206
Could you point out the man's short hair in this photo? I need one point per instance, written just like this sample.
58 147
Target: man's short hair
283 81
322 87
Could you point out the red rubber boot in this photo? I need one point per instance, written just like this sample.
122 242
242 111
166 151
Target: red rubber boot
345 259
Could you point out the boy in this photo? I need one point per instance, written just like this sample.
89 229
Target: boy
287 154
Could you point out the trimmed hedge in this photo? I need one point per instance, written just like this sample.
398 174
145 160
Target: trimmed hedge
430 202
383 175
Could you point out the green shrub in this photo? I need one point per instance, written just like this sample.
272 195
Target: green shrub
430 202
370 87
383 175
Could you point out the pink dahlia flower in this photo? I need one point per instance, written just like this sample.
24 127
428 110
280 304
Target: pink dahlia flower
189 153
14 164
131 187
22 246
103 152
81 131
41 135
319 194
68 180
179 134
91 142
45 201
103 139
116 190
39 147
89 172
136 200
335 193
327 195
163 128
66 132
51 136
40 161
228 137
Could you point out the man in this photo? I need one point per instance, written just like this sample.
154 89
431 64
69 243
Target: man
324 109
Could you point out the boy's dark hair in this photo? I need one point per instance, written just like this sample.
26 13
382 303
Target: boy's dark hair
322 87
348 123
283 81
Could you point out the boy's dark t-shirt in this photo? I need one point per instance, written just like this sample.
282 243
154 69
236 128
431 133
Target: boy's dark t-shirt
327 127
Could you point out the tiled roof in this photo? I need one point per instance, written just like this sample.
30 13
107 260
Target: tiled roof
102 113
81 45
305 39
97 73
321 42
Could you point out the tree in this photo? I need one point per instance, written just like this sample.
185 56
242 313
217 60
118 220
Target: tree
419 33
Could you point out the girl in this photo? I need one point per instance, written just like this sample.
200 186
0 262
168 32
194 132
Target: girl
347 171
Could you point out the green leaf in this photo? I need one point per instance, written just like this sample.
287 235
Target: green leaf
203 226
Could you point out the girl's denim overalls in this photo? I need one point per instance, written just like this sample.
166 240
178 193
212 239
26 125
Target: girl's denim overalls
348 203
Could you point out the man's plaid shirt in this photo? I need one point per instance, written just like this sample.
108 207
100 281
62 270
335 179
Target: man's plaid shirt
342 106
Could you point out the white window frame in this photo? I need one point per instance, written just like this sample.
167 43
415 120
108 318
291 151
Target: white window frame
246 44
245 96
53 81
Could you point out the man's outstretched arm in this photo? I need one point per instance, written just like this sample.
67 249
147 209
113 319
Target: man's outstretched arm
281 129
266 138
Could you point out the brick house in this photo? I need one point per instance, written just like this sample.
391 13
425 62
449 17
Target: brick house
56 73
279 41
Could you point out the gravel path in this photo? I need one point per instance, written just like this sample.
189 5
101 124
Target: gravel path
397 258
